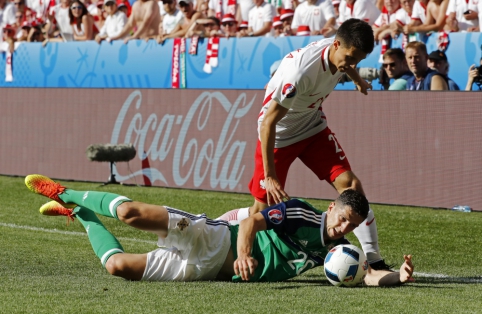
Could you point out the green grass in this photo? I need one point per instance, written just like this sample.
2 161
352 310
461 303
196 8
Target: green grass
55 272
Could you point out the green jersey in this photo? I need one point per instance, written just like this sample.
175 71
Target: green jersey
292 243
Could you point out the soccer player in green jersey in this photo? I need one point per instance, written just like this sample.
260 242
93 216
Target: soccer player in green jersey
275 244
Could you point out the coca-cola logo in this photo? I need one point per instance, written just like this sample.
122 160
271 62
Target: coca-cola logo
174 141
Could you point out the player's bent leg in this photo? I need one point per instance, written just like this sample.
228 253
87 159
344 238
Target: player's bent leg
127 266
147 217
367 232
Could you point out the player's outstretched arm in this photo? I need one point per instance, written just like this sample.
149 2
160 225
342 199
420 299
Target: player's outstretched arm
245 264
362 85
274 190
385 278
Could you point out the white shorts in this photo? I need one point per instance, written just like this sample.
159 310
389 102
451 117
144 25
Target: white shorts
194 249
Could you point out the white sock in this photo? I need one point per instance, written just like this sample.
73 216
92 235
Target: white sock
235 216
368 236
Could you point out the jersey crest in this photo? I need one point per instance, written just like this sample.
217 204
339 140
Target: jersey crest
275 216
289 90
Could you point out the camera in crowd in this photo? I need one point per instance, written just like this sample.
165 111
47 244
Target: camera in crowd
370 74
478 78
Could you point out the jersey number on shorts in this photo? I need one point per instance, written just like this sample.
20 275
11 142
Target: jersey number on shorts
338 149
303 259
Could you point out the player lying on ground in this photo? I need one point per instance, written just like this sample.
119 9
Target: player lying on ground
275 244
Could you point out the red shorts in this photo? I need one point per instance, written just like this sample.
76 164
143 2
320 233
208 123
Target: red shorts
321 153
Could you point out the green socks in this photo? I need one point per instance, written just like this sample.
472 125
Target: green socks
102 203
103 242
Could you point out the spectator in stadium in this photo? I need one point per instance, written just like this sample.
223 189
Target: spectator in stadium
219 8
171 19
382 26
7 13
204 8
437 60
424 78
474 76
277 28
435 20
27 13
418 16
22 32
121 6
190 17
243 10
37 33
242 29
143 21
463 15
9 41
359 9
403 17
194 247
395 65
260 18
82 22
286 17
114 23
318 15
292 124
207 27
58 21
229 25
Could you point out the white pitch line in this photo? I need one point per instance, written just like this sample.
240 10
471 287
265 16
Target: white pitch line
74 233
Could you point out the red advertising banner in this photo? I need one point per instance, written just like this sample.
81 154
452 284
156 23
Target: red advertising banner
411 148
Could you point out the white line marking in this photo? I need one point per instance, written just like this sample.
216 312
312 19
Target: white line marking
74 233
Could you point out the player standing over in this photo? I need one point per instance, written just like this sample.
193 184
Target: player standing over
292 125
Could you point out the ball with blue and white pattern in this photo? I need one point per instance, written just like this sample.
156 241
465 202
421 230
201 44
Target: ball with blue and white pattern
345 265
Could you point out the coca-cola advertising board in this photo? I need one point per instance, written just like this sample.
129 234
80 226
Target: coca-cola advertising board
412 148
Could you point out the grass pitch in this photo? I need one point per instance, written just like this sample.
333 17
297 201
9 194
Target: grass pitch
49 267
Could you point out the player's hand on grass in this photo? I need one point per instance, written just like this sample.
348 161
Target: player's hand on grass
406 270
244 266
363 86
274 191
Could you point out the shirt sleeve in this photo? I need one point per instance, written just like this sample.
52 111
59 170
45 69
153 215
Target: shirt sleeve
275 216
269 12
288 83
328 10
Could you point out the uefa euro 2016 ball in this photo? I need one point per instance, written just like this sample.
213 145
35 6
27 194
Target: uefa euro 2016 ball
345 265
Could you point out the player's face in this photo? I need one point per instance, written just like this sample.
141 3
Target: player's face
341 220
346 57
416 60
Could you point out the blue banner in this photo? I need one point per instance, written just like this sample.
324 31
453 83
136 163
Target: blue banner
243 63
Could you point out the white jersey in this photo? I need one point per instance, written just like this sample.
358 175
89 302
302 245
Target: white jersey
259 15
113 24
169 22
361 9
301 84
386 18
402 17
419 11
459 7
315 16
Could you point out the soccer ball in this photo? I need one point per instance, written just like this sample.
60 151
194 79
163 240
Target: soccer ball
345 265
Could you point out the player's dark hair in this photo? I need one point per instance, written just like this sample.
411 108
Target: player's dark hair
395 52
357 201
356 33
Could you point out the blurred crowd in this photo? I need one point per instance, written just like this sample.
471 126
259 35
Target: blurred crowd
67 20
107 20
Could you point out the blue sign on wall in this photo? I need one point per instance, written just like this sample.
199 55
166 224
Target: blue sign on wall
243 63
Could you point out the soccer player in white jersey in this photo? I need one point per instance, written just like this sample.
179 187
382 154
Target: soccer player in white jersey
292 124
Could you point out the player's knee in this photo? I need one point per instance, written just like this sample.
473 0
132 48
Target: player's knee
348 180
127 211
117 266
